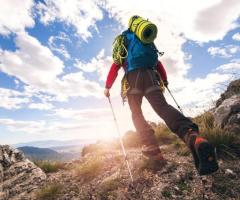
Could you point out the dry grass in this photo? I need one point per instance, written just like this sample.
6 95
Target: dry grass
227 144
49 166
49 192
88 170
163 134
106 188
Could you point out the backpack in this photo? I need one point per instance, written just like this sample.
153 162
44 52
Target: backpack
139 55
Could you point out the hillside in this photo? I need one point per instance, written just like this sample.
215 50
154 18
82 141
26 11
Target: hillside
35 153
105 177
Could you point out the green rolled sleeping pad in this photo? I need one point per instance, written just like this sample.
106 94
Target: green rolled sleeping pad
145 30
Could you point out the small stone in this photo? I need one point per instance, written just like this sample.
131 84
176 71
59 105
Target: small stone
229 172
176 188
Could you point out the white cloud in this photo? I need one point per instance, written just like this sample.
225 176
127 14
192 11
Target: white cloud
232 68
215 21
23 126
236 36
224 52
36 66
41 106
75 84
56 44
12 99
100 64
67 129
15 15
82 15
32 63
85 114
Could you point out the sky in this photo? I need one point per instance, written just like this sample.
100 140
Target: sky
55 56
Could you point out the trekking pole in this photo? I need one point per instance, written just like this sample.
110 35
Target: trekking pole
120 138
174 100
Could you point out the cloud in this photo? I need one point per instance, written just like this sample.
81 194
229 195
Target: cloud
37 67
41 106
97 128
12 99
85 114
15 16
99 64
33 63
80 14
232 67
23 126
56 44
236 36
224 52
215 21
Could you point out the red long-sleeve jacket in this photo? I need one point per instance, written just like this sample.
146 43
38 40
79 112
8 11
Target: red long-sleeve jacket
113 72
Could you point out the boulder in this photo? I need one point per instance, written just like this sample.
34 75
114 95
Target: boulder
18 175
227 111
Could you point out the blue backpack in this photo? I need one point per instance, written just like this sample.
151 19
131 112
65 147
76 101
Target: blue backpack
139 55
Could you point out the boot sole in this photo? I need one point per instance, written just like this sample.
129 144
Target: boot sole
207 159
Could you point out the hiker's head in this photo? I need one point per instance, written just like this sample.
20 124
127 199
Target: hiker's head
144 29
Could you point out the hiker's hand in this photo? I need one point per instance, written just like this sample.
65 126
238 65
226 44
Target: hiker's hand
165 82
107 92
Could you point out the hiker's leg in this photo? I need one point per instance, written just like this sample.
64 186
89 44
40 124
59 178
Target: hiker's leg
174 119
143 128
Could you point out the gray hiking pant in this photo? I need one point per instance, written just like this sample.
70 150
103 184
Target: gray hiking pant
145 83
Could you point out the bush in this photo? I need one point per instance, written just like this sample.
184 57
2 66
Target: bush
101 147
163 134
227 144
131 139
49 166
89 169
49 192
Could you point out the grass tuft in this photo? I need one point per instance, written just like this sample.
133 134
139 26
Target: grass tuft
89 169
107 187
49 166
163 134
49 192
227 144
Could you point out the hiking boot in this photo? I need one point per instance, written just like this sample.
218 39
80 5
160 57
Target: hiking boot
152 152
203 152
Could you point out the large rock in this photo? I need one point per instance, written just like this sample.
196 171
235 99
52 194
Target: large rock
232 89
18 176
227 112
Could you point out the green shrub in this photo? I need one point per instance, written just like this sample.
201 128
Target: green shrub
227 144
49 192
89 169
49 166
163 134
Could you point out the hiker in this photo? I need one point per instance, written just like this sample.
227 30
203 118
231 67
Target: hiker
145 76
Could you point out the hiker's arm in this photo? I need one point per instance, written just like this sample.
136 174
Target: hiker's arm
161 70
112 75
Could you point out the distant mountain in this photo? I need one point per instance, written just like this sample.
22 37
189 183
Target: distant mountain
35 153
54 143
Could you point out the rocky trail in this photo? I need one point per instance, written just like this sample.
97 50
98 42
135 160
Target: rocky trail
177 179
